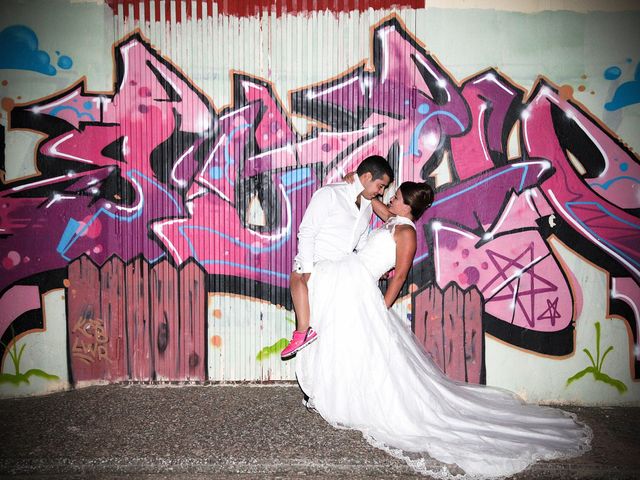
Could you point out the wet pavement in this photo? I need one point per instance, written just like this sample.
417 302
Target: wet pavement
240 432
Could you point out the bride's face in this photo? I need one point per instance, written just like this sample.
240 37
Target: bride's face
398 207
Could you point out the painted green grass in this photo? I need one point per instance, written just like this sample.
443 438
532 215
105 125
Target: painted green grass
17 378
274 349
596 366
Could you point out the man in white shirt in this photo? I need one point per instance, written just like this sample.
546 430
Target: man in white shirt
334 225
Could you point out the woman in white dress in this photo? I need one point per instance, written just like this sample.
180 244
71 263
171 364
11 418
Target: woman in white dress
368 372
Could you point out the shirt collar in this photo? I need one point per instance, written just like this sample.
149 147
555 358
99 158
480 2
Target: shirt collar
356 189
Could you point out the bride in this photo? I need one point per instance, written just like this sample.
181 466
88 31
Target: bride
368 372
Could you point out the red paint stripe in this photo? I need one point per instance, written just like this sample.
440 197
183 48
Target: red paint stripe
178 7
147 10
243 8
167 11
249 8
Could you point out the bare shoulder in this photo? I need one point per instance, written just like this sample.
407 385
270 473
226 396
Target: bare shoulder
405 232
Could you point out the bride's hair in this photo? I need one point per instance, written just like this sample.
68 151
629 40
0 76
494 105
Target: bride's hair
419 196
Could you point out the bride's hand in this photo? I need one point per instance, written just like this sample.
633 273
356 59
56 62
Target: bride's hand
349 177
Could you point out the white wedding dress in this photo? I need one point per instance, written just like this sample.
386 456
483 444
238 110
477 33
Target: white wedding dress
367 371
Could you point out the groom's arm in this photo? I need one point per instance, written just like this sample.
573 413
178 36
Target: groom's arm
362 240
312 222
364 235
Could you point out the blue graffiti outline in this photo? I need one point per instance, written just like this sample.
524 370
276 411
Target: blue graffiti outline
78 113
69 237
465 190
607 184
420 258
414 137
246 267
157 258
224 262
524 177
233 240
300 187
606 212
295 176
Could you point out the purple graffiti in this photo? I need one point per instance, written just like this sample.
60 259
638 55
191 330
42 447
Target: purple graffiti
153 170
108 171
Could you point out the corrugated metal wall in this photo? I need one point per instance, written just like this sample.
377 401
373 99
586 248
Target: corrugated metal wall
158 161
253 168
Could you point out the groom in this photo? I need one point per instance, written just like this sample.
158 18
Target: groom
334 225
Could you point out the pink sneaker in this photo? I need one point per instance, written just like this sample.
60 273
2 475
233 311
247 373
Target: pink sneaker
298 342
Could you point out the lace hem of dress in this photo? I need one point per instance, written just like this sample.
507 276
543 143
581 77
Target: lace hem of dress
424 464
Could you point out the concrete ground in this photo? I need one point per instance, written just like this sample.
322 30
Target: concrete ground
239 432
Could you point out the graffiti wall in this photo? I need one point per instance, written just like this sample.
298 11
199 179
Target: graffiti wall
157 158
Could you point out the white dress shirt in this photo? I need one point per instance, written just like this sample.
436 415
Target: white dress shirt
333 225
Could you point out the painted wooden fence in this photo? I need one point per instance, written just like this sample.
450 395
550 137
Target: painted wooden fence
449 325
136 322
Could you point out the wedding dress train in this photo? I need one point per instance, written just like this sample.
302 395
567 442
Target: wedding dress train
367 371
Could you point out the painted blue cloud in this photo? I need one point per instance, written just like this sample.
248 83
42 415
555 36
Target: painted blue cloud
65 62
19 51
626 94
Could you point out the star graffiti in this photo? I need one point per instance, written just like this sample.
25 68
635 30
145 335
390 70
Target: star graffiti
551 313
537 283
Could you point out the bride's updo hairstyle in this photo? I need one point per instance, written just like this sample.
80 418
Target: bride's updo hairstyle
419 196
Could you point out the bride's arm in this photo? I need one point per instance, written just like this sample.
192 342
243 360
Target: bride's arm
380 209
405 237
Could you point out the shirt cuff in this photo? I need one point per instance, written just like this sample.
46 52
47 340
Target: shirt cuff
302 267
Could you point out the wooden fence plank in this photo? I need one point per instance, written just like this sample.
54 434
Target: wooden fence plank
164 321
453 330
192 322
85 327
473 336
427 310
449 326
138 320
112 296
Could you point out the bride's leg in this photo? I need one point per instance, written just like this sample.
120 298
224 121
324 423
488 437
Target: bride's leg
298 284
303 335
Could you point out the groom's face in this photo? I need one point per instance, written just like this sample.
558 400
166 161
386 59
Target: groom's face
373 188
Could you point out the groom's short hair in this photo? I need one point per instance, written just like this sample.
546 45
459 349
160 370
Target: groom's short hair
377 166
